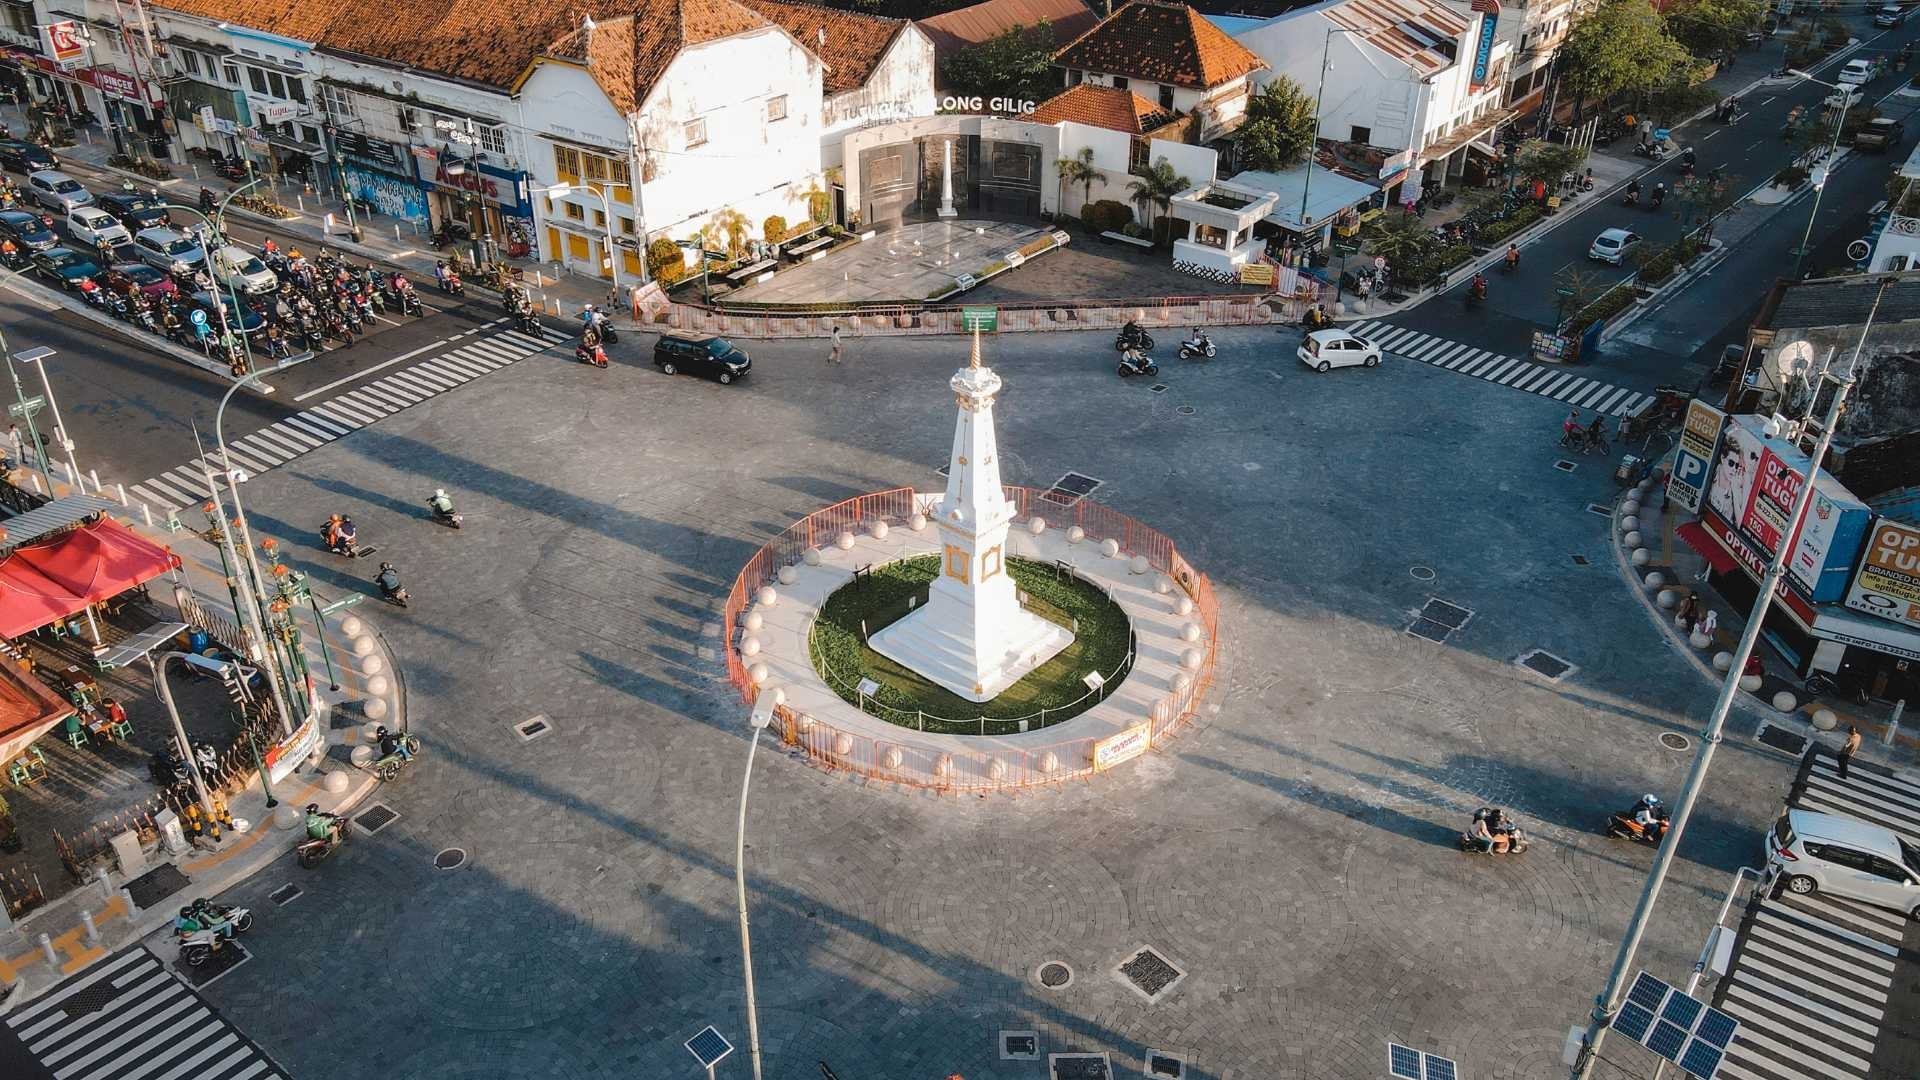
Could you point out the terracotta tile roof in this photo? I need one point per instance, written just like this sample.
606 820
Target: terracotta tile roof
1065 19
1103 107
851 46
1163 43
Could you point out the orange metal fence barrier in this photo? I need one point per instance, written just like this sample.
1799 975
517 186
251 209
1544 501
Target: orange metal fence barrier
913 319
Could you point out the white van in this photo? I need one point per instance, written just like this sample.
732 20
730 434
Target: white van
1833 854
1855 73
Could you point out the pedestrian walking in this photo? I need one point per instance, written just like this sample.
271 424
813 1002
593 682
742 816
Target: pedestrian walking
833 356
16 444
1848 748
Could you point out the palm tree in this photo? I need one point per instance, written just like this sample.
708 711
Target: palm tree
1078 169
1157 187
733 225
1399 238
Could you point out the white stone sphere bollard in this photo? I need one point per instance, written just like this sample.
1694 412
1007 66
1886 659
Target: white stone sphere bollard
375 708
1163 585
758 674
893 757
1785 702
1633 539
1699 640
842 744
1036 525
996 769
779 696
1640 557
1630 508
1629 523
351 626
373 665
811 556
804 722
364 645
788 575
1668 598
1824 720
1110 548
1191 632
754 620
1723 661
1184 605
918 522
750 646
1339 308
1049 762
767 596
1750 683
1075 534
844 541
943 765
1191 659
378 685
1644 486
1181 680
361 756
1359 307
1655 579
1137 564
335 783
288 815
878 530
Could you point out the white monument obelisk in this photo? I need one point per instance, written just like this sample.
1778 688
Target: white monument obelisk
973 637
946 185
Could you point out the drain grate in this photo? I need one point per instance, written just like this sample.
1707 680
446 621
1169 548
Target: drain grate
284 895
1150 974
1158 388
1186 410
1564 465
1580 560
1079 1067
90 1000
1053 975
452 858
376 817
1601 509
1166 1063
533 727
1451 616
156 885
1421 573
1427 628
1545 664
1673 740
1019 1045
1780 738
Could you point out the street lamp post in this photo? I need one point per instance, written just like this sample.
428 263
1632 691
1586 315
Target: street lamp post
180 730
37 357
1608 1003
217 226
1819 171
1319 95
606 211
761 716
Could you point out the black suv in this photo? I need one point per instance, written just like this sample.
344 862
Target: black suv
700 354
136 212
25 157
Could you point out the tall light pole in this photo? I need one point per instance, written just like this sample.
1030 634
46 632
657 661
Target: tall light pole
606 211
217 226
37 357
1608 1003
180 731
761 716
1819 171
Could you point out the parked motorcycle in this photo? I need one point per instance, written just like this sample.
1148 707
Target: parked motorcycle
219 924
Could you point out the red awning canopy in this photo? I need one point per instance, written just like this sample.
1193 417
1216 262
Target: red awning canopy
1702 541
42 583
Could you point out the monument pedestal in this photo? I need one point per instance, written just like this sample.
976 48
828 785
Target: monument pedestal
942 651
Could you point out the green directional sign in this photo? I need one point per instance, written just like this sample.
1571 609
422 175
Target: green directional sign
27 407
982 317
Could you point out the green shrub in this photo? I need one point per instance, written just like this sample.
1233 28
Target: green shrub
1106 215
1500 230
665 262
1790 177
818 204
1613 303
774 229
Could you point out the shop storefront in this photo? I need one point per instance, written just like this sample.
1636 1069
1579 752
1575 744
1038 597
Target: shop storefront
209 116
379 174
484 203
131 109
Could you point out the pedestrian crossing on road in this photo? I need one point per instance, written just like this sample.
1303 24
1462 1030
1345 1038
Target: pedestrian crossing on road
325 421
1811 976
1557 383
129 1018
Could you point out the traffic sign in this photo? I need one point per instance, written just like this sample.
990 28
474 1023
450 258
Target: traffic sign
28 407
197 317
1379 262
982 317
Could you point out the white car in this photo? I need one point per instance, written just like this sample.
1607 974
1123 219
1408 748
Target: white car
57 191
1324 350
95 226
1852 859
242 270
1613 245
1846 97
1855 73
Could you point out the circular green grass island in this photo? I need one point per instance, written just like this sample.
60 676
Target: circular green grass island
1055 691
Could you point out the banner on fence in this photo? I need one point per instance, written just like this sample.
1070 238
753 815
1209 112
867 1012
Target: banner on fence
1126 746
286 755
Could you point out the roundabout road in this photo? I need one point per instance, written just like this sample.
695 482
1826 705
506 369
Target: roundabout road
1292 852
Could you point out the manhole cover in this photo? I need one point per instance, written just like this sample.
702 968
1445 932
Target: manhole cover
1600 508
1451 616
1019 1045
1545 664
376 817
450 859
1079 1067
1158 388
533 727
1053 975
90 1000
1782 739
1166 1063
1421 573
1580 560
1673 740
284 895
1150 973
1429 629
1564 465
1185 410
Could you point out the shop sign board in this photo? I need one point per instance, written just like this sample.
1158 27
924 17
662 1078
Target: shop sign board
287 754
1125 746
1888 582
65 42
1699 438
1776 470
495 185
1756 566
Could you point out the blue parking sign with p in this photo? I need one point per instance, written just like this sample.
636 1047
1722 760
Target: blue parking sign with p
1689 480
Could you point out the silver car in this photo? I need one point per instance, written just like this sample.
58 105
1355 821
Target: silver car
58 192
169 250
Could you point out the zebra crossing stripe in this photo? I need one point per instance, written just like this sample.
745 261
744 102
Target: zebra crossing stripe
287 433
1553 388
1428 348
261 451
1520 369
1390 341
281 443
490 350
342 414
396 384
191 483
151 499
386 391
1452 363
473 368
322 423
434 385
371 404
442 373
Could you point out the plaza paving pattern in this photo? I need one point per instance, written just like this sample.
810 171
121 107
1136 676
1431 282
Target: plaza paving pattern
1292 852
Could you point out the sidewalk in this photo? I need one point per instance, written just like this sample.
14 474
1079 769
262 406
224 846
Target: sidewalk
1683 573
132 902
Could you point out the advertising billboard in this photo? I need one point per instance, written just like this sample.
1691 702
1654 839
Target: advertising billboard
65 41
1755 482
1735 464
1770 504
1699 438
1835 525
1888 583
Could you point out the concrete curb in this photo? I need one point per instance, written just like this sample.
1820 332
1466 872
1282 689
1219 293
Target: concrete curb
1664 293
152 341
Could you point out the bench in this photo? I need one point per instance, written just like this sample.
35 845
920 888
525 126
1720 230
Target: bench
741 275
810 246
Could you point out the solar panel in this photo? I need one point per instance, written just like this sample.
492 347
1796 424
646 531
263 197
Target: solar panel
1700 1059
1403 1061
709 1046
1633 1021
1439 1068
1716 1028
1682 1011
1667 1040
1648 992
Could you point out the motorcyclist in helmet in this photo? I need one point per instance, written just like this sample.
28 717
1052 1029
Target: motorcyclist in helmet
322 825
391 744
